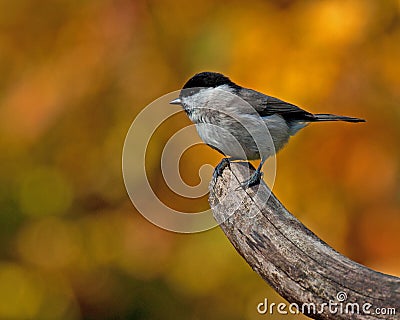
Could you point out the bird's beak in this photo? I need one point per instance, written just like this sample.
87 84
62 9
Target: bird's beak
176 101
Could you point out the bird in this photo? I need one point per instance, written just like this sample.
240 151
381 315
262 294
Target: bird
242 123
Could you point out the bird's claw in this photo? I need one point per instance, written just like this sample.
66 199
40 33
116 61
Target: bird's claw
220 168
252 181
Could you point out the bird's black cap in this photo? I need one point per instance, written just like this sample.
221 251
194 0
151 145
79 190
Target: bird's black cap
208 80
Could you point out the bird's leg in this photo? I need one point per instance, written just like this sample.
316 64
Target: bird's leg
255 177
220 167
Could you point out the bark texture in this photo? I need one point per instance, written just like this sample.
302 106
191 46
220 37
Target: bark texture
294 261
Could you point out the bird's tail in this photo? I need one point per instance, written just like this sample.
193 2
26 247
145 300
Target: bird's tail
333 117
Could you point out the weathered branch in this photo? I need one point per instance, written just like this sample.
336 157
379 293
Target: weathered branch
294 261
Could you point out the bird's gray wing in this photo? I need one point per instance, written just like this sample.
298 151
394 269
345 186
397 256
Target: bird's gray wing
268 106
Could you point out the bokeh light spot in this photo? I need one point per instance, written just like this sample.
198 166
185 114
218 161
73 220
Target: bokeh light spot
44 192
20 297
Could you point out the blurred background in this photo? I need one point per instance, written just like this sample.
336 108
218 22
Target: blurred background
74 74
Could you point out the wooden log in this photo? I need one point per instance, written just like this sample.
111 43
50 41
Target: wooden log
302 268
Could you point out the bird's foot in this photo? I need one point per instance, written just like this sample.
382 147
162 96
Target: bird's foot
220 168
252 181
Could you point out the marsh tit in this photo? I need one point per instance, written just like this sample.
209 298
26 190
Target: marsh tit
241 123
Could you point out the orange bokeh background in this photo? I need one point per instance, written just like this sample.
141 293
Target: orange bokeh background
75 74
